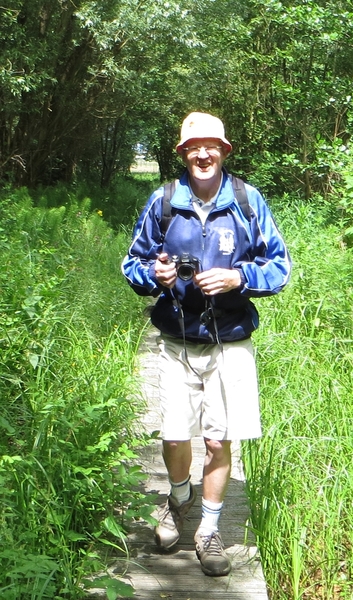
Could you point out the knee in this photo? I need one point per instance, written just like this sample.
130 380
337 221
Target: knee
171 445
176 448
218 449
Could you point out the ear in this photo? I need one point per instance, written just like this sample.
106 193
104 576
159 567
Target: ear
226 150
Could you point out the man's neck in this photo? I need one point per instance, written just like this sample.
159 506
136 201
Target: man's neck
205 190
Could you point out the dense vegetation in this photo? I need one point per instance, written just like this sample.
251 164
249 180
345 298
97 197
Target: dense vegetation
70 401
300 473
81 84
70 398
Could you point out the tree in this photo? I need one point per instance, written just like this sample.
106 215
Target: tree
287 90
72 74
81 85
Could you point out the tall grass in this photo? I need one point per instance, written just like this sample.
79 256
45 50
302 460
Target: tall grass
119 203
70 404
69 397
300 474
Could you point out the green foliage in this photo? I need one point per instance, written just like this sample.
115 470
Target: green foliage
278 74
295 95
71 78
300 473
345 199
81 85
31 575
114 588
70 398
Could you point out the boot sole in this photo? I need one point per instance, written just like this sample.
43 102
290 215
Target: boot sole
211 573
162 546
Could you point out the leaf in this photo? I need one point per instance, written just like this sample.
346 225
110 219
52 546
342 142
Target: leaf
34 360
75 537
119 588
10 459
6 425
113 587
112 526
111 544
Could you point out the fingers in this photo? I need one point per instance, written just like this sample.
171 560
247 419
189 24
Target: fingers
165 270
217 281
211 282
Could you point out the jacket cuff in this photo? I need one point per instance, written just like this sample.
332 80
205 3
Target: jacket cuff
242 278
152 276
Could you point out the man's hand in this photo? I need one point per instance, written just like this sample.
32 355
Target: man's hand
218 281
165 270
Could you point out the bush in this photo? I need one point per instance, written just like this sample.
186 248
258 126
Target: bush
300 473
70 398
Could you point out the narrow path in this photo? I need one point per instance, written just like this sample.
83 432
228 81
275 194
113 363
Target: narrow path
177 575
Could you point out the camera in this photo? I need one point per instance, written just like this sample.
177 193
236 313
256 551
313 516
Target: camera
186 266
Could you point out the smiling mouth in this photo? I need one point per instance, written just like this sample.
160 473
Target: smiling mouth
203 166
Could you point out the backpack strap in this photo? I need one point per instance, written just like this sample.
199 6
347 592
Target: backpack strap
169 190
241 195
168 193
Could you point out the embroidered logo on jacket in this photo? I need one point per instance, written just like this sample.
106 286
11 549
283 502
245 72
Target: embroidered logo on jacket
226 241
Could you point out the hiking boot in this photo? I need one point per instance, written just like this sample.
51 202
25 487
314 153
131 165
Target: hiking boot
171 520
211 554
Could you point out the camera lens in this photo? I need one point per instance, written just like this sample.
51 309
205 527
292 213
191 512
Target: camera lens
186 272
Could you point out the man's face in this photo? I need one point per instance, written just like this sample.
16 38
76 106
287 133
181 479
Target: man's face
204 158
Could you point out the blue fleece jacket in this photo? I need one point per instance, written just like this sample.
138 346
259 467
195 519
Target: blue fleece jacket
226 240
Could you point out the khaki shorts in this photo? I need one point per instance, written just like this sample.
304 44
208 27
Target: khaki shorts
220 401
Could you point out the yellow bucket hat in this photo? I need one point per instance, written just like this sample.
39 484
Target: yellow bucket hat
199 125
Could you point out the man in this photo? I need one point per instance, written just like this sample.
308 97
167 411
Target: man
205 269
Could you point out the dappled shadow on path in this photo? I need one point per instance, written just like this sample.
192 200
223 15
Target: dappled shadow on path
176 575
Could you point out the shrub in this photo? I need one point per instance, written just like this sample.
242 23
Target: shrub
70 399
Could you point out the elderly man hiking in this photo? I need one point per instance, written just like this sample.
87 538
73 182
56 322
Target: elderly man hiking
220 249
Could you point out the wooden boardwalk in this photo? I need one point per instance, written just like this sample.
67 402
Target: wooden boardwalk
177 575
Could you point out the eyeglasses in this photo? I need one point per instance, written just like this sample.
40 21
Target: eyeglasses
195 150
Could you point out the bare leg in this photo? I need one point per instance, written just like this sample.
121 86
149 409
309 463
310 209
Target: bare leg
217 467
177 457
209 546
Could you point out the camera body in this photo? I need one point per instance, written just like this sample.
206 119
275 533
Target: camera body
186 266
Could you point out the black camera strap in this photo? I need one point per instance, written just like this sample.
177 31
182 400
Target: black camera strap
179 307
207 317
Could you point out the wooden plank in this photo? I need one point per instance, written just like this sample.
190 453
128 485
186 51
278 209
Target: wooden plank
177 575
249 594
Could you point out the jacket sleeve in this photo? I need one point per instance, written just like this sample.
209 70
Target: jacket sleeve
269 270
138 266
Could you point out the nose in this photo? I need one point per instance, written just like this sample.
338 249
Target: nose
203 152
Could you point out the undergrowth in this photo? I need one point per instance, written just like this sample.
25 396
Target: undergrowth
70 400
300 473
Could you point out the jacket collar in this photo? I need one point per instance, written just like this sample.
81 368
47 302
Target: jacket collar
182 197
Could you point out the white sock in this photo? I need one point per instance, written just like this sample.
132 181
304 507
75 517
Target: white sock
211 511
180 491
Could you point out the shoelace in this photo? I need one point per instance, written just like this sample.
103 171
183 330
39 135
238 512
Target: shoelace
170 516
212 543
